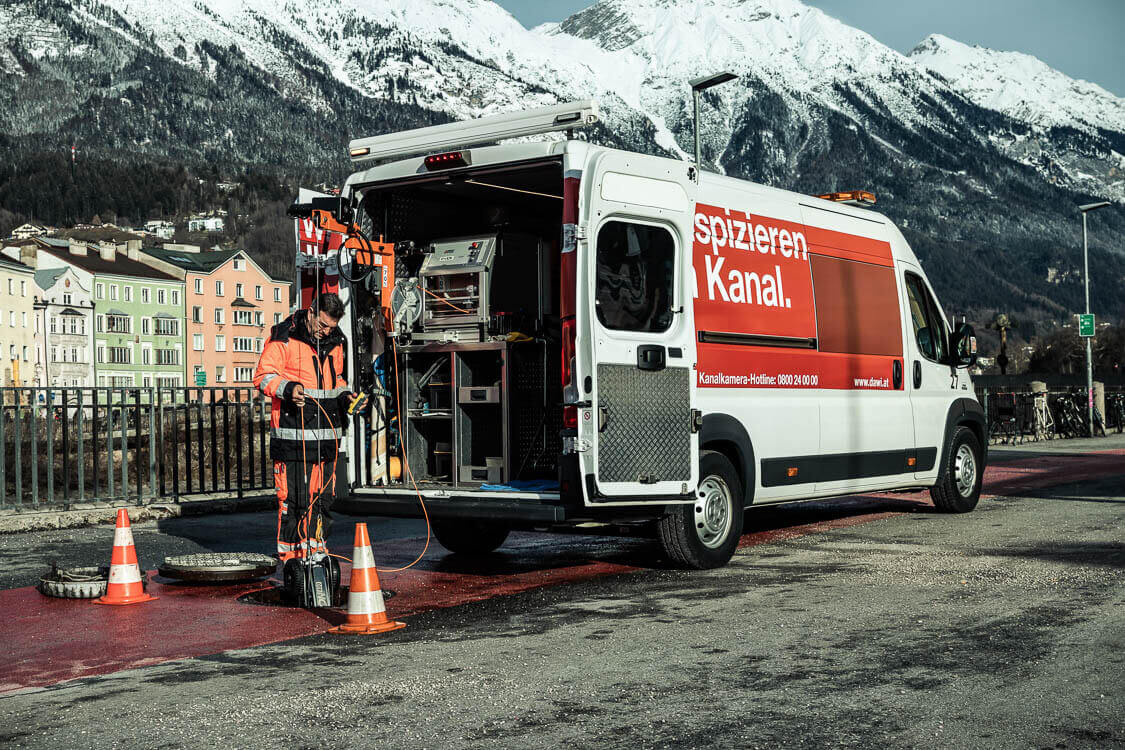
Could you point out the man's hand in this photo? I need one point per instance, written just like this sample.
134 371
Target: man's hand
299 394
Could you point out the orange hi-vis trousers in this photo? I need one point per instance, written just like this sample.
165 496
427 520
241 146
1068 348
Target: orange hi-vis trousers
294 521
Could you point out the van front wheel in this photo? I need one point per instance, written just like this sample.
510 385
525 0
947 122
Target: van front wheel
958 486
705 534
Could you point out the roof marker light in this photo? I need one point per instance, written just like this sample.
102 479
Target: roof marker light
448 160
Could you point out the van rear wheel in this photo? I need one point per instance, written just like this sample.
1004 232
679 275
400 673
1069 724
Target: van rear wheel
958 486
705 533
469 537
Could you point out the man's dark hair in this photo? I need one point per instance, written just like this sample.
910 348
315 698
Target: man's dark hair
329 303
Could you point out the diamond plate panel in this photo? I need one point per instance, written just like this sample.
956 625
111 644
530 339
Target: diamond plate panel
648 424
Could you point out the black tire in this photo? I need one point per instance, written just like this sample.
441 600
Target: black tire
956 491
469 537
294 580
705 534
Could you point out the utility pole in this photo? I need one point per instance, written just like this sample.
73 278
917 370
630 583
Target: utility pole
1089 339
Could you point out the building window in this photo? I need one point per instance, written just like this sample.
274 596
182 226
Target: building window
73 354
25 354
23 293
160 296
276 318
11 286
101 354
23 319
239 264
99 291
113 291
277 294
175 296
243 374
169 382
146 326
243 318
238 290
167 357
66 299
147 381
243 344
128 294
218 288
146 295
119 323
121 355
146 356
220 374
199 286
51 323
167 327
12 318
196 314
197 342
100 323
220 343
220 318
257 292
258 319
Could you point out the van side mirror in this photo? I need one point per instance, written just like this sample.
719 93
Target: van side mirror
963 346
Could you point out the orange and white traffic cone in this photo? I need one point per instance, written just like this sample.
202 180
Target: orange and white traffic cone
125 586
367 612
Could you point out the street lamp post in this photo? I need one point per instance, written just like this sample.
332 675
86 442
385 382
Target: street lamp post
699 85
1089 339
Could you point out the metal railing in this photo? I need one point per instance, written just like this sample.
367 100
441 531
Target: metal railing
1019 415
64 446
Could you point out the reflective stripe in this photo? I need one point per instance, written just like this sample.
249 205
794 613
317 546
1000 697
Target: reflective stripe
290 433
362 558
125 574
331 393
365 602
268 378
123 537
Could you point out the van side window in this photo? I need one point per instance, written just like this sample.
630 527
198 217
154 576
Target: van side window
929 331
635 272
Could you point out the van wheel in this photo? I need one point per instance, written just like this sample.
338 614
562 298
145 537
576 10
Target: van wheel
469 537
958 486
705 533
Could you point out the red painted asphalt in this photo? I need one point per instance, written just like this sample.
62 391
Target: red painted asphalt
53 640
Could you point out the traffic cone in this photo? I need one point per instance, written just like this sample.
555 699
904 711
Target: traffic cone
367 612
125 586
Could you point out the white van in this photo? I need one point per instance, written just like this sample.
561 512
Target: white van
581 334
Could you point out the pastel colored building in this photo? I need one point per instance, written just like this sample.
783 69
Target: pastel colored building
231 304
17 323
64 316
138 312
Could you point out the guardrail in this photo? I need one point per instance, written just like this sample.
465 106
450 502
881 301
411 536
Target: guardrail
63 446
1020 415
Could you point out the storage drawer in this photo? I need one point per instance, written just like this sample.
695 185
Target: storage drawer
478 395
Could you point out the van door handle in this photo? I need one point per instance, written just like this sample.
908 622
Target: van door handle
650 357
917 374
896 374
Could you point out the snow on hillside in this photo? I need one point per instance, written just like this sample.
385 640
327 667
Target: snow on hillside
1021 86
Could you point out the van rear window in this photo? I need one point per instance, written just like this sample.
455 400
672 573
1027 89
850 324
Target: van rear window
857 308
635 272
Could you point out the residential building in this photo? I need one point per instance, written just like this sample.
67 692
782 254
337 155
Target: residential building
64 336
17 323
138 312
25 231
162 229
206 224
231 304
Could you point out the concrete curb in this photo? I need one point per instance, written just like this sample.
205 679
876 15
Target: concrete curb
95 514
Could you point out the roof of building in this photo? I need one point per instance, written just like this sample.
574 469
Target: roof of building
46 277
92 261
204 261
14 265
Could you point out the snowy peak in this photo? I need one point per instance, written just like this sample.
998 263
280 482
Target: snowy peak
1020 85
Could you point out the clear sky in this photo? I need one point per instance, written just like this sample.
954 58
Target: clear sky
1082 38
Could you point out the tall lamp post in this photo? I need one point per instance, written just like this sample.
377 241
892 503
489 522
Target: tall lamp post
1089 339
699 85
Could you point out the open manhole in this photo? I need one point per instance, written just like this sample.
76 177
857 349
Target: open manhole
74 583
226 567
275 596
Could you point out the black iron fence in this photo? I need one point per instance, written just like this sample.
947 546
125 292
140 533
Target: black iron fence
64 446
1019 414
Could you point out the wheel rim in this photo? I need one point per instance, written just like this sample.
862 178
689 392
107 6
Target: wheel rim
965 470
713 512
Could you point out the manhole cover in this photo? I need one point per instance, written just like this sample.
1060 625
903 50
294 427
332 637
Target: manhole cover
74 583
275 596
218 566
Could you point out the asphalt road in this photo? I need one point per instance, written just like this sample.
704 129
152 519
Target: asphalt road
1003 628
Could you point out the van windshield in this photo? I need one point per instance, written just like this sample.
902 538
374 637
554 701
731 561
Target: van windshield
635 267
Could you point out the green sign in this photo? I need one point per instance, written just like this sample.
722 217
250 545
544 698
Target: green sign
201 378
1086 325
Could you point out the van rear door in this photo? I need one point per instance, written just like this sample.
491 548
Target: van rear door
635 311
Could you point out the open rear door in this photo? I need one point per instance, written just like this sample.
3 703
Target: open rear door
635 310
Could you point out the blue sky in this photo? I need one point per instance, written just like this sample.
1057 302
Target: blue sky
1082 38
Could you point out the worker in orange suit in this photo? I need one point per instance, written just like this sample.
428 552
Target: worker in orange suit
302 370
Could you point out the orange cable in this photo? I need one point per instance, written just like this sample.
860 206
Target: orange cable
443 299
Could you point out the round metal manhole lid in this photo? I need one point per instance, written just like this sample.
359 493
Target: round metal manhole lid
218 566
74 583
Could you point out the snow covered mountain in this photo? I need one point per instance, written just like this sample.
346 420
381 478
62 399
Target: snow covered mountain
975 174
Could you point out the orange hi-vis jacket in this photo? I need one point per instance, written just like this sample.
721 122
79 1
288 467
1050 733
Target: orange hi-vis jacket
292 356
